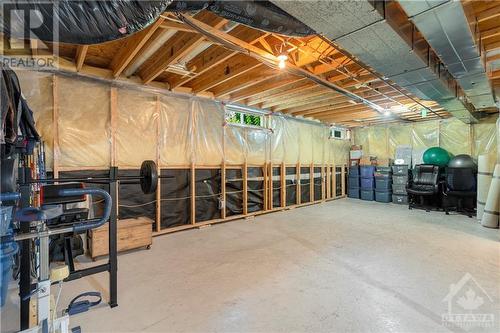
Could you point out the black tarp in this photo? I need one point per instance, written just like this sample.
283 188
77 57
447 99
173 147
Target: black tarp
94 22
255 189
317 183
291 186
276 187
175 197
79 22
132 202
305 185
208 194
258 14
234 192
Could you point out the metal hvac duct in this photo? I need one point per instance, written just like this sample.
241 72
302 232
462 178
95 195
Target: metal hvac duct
378 35
444 25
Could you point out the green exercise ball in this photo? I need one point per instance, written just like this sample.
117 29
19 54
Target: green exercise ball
436 156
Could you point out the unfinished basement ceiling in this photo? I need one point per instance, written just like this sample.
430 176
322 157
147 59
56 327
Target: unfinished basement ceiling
320 81
381 35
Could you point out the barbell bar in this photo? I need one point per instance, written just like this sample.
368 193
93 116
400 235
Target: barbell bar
148 178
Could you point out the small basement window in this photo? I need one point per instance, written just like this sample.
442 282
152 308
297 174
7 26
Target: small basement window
340 133
240 117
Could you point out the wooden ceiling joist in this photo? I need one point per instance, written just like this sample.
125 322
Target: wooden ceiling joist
132 46
81 53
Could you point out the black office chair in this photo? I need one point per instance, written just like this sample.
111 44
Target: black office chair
460 190
424 189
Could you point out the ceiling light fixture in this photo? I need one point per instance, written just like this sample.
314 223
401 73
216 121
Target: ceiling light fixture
387 113
282 58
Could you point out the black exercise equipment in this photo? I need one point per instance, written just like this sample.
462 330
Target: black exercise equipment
460 190
424 185
462 161
148 178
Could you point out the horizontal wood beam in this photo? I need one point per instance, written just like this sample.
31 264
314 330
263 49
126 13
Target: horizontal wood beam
488 14
171 25
492 46
272 84
223 72
282 89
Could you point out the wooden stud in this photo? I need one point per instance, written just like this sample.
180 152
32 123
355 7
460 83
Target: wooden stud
158 149
312 188
271 186
245 188
113 120
81 52
299 179
342 173
334 181
55 126
193 193
328 181
283 185
223 189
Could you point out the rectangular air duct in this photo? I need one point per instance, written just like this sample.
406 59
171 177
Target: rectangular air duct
445 26
378 35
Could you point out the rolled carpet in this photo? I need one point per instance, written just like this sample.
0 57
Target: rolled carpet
491 209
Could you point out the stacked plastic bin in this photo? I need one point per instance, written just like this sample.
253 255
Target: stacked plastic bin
383 184
400 175
353 182
367 182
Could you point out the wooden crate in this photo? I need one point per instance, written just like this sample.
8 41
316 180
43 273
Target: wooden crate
132 234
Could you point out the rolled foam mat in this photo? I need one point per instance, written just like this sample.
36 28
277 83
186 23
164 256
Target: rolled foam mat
486 165
491 210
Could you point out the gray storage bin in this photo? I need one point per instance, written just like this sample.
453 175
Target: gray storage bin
353 193
399 189
354 171
367 195
399 180
400 170
383 196
383 183
400 199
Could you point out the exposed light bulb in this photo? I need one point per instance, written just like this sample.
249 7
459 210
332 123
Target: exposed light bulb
281 60
387 113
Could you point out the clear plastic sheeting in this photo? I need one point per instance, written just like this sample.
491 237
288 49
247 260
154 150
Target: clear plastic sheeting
450 134
455 137
83 123
485 137
398 135
175 131
425 135
291 141
37 89
208 119
136 132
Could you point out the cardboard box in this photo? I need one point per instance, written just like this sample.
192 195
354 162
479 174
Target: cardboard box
355 154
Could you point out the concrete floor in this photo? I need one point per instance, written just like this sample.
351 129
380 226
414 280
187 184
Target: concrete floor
342 266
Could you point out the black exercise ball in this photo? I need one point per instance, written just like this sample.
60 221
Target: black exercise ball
462 161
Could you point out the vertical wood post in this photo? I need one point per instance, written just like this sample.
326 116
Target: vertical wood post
223 190
299 194
271 187
245 188
334 181
193 193
328 181
55 121
158 149
283 184
312 186
343 179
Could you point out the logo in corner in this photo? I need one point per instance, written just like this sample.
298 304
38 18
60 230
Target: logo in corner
467 302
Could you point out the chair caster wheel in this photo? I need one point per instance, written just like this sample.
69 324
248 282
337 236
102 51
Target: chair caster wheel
447 213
